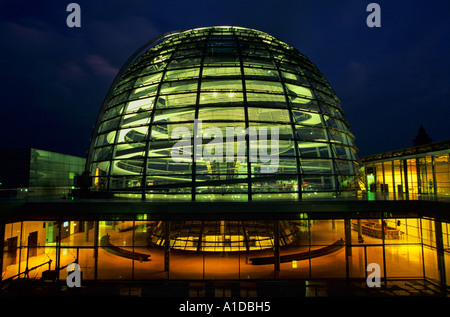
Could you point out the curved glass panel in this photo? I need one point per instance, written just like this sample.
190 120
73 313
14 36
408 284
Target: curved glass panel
222 113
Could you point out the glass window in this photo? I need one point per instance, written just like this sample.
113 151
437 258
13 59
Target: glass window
118 98
316 166
310 150
236 189
306 133
166 148
285 165
125 84
176 100
231 85
261 72
181 74
340 137
152 68
295 77
266 100
304 117
333 100
131 135
334 123
172 131
256 52
125 182
428 233
127 167
430 266
179 86
130 150
442 172
345 167
139 105
148 79
103 153
217 60
268 115
404 261
104 139
318 184
298 90
112 112
174 115
275 185
303 103
221 71
220 113
170 184
259 85
187 53
136 119
184 63
143 91
284 130
100 169
221 98
252 61
166 167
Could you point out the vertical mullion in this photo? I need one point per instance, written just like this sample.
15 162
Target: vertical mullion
331 153
116 137
247 137
197 104
292 123
150 125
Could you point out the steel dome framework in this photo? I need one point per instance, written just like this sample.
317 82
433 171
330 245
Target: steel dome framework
225 77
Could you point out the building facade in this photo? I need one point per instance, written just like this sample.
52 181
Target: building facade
38 173
115 241
418 171
175 215
221 113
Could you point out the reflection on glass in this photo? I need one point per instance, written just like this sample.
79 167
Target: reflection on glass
226 77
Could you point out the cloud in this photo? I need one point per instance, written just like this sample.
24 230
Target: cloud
71 71
358 73
101 66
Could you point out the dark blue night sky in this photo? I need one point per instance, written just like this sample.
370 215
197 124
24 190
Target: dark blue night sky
390 80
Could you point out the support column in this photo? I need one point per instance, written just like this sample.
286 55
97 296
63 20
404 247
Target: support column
393 179
86 231
440 252
419 179
348 237
2 245
433 169
276 243
360 237
383 228
58 249
96 229
166 245
405 175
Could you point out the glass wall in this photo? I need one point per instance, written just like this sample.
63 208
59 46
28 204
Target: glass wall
424 175
27 173
164 131
307 248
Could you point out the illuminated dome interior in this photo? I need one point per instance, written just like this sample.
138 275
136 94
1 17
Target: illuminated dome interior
222 77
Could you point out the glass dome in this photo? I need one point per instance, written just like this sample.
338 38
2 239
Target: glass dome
186 92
